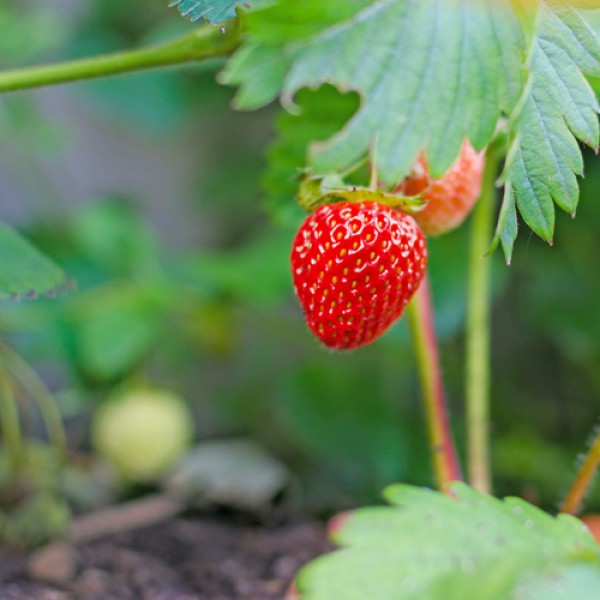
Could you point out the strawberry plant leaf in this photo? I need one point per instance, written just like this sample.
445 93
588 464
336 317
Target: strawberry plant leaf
214 11
429 546
320 114
453 71
117 326
574 582
24 270
507 224
559 107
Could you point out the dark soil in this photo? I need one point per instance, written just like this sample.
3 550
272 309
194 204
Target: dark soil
187 559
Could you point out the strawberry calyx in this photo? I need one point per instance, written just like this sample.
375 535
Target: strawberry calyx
317 190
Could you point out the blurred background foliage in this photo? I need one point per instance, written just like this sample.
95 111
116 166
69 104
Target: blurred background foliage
175 216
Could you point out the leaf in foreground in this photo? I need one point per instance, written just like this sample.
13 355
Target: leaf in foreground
24 270
428 546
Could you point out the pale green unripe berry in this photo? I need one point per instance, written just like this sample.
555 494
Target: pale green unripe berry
143 432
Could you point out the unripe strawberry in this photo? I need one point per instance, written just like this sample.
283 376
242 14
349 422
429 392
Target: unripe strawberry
450 198
355 267
142 432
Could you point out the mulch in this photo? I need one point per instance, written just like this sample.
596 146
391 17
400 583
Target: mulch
205 558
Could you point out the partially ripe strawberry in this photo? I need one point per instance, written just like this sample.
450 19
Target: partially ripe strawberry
355 267
450 198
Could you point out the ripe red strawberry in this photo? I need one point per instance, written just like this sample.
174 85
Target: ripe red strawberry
355 267
450 198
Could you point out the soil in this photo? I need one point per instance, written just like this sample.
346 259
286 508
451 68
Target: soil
207 558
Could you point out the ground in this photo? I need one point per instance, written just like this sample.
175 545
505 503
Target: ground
203 558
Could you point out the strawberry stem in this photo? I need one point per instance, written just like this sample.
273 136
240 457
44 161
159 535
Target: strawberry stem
478 353
583 480
33 385
11 428
202 43
443 450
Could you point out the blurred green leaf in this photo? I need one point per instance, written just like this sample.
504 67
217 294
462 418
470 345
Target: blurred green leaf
559 299
519 455
116 327
340 416
257 273
429 546
27 35
24 270
114 236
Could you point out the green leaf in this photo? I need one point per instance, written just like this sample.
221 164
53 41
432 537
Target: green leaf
113 235
576 582
506 232
257 272
24 270
118 326
320 114
428 546
214 11
559 108
259 72
455 67
432 72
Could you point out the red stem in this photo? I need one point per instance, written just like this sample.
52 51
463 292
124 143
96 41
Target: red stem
444 455
583 480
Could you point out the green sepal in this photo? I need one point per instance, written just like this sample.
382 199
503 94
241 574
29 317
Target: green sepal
316 190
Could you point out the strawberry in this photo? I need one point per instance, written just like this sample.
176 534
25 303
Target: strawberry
450 198
355 267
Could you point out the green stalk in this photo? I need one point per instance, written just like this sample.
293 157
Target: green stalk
33 385
10 426
204 42
443 451
478 355
583 480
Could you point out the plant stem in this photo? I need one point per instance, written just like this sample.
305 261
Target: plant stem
11 427
583 480
444 456
204 42
39 393
478 353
